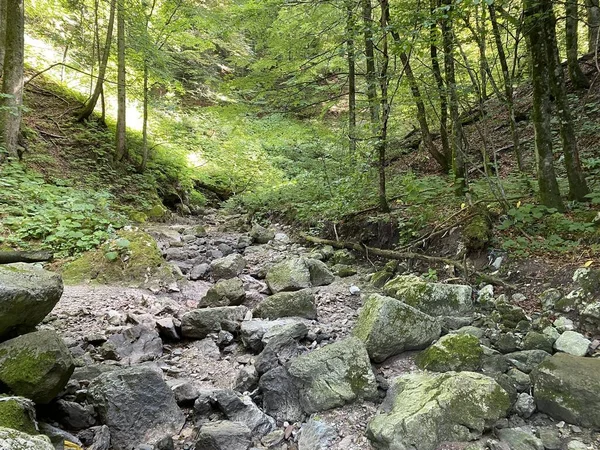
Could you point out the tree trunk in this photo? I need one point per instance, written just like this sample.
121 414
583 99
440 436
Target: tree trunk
385 106
481 43
12 80
593 20
350 49
508 88
441 88
548 186
2 34
458 157
88 109
578 188
575 73
145 120
422 116
121 138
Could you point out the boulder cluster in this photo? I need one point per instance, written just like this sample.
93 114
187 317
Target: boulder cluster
482 373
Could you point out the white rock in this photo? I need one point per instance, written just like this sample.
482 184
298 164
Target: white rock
573 343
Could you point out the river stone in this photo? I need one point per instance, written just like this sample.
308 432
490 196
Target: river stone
229 266
525 405
572 343
17 413
240 408
435 299
527 360
224 435
27 294
137 344
36 365
422 410
256 333
519 439
333 375
260 234
298 273
288 304
567 387
17 440
452 352
316 435
137 406
229 292
535 340
389 327
201 322
280 396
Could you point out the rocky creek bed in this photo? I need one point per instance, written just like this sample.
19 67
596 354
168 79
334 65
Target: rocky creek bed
244 339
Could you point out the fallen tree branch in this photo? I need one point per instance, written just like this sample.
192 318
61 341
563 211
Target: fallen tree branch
8 257
391 254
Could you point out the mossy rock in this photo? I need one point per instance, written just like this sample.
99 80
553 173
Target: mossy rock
16 440
156 212
509 315
477 232
108 266
138 216
381 277
18 413
453 352
288 304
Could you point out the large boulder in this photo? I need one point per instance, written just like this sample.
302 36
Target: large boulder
573 343
27 294
423 410
229 292
567 388
229 266
298 273
36 365
435 299
280 396
333 375
201 322
224 435
260 234
16 440
452 352
288 304
241 408
137 406
389 327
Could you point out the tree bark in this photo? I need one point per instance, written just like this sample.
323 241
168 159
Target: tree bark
351 51
578 188
145 120
2 34
12 80
593 21
385 106
88 109
458 161
578 79
508 88
548 186
441 88
121 137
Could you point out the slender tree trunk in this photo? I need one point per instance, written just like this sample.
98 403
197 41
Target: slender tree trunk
578 188
575 73
12 80
88 109
2 34
385 105
441 88
350 48
422 116
548 186
593 20
121 150
458 157
64 61
145 120
508 88
481 43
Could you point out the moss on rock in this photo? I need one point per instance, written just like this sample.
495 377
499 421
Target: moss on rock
452 352
17 413
477 232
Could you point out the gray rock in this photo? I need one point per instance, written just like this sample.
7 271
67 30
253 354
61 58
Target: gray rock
572 343
473 331
273 438
199 271
246 379
320 275
27 294
36 365
229 266
167 329
185 392
229 292
278 351
280 396
521 380
316 435
241 408
549 298
288 304
508 342
550 437
58 436
576 445
435 299
224 435
253 331
422 410
298 273
333 375
260 234
201 322
567 388
525 405
73 415
137 406
137 344
519 439
15 440
563 324
527 360
389 327
538 341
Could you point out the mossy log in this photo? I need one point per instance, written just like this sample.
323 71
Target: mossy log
391 254
14 256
